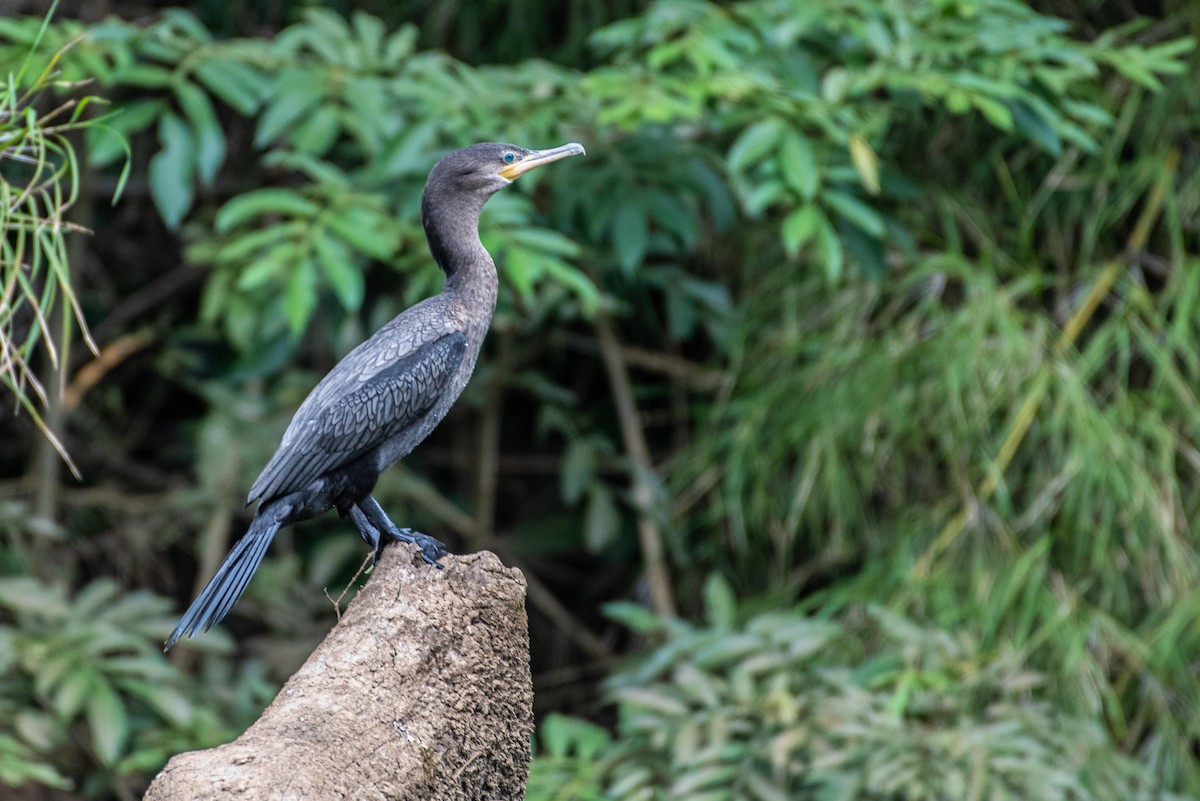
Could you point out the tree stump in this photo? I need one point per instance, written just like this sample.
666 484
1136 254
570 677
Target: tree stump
421 691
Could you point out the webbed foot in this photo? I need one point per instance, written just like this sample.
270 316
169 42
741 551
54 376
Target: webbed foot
431 548
369 532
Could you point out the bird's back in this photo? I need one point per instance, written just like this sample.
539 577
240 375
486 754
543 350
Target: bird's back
398 384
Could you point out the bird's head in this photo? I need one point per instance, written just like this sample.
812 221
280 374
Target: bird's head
486 168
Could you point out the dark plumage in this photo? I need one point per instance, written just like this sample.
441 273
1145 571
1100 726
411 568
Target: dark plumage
387 394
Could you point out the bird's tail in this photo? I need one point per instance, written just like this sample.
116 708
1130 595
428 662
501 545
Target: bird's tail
224 588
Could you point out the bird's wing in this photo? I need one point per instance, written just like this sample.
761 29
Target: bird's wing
367 414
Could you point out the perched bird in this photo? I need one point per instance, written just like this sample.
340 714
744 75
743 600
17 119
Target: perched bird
387 394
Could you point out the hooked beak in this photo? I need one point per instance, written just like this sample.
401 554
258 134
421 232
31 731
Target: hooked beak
537 158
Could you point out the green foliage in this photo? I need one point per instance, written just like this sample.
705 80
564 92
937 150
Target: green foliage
1069 457
86 695
349 110
39 182
567 762
778 705
861 256
812 93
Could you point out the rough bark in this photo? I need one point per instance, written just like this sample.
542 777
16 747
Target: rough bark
421 691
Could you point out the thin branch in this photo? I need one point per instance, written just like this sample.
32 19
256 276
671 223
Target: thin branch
662 599
691 374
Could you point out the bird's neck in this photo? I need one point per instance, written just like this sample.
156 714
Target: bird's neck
453 235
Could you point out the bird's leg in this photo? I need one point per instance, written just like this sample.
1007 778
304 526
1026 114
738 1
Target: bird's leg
431 549
369 532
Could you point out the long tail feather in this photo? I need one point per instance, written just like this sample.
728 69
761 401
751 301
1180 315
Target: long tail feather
227 585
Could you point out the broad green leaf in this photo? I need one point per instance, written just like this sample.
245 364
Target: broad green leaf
630 236
317 133
854 210
369 30
143 76
755 143
37 728
71 694
700 686
294 93
560 735
107 722
799 165
799 228
248 243
658 700
400 45
172 170
763 789
720 606
209 138
830 249
270 267
576 281
317 170
407 153
300 297
633 616
171 704
1035 127
186 21
727 649
234 82
995 111
27 596
521 271
369 117
284 202
339 268
761 197
366 231
546 241
690 783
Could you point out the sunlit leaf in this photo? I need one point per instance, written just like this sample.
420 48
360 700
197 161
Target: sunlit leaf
799 164
799 227
866 162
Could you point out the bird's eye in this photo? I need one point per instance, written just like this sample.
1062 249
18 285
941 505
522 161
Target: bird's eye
509 158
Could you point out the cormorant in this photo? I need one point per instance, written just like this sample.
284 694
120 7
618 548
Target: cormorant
387 394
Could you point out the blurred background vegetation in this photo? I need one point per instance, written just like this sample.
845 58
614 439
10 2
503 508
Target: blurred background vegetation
840 406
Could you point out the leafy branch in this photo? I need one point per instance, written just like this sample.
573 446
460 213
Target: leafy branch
39 182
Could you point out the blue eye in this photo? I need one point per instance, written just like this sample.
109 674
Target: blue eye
508 158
